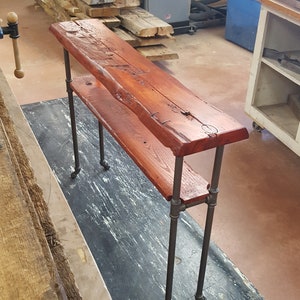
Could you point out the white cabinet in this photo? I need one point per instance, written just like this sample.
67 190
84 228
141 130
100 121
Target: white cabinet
273 97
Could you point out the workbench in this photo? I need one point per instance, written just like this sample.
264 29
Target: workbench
155 119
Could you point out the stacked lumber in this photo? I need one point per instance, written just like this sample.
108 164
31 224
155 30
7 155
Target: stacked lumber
135 25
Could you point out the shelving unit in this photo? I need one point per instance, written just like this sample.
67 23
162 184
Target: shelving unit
273 89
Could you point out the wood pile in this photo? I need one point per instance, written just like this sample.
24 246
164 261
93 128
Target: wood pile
135 25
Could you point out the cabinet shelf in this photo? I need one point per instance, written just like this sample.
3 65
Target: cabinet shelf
271 85
283 116
274 64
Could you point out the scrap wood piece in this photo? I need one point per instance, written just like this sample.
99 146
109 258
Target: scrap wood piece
110 22
157 52
148 47
66 5
105 10
54 10
151 41
127 36
80 16
143 24
136 41
127 3
96 2
61 10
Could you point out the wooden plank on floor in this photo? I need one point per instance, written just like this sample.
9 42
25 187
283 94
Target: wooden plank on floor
24 271
143 24
157 52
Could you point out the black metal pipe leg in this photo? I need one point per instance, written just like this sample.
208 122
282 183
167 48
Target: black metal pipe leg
204 255
174 215
211 202
72 114
74 138
103 163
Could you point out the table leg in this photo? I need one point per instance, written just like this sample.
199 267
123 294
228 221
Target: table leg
72 113
211 202
103 163
175 209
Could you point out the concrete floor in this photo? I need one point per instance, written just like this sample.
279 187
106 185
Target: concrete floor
258 216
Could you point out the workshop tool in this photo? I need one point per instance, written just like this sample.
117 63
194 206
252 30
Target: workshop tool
13 31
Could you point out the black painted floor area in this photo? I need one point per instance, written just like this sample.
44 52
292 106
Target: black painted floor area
124 219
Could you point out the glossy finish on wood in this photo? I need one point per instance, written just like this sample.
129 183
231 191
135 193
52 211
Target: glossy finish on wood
156 161
263 171
178 118
133 80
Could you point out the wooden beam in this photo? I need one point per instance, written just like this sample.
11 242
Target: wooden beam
25 270
127 3
143 24
106 10
178 118
157 52
96 2
136 41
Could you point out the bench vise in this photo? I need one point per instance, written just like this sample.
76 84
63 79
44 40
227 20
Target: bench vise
13 31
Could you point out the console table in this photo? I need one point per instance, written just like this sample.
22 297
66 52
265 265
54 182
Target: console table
153 117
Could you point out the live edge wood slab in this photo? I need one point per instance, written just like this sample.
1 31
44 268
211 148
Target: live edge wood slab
178 118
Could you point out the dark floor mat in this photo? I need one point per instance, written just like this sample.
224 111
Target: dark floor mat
124 219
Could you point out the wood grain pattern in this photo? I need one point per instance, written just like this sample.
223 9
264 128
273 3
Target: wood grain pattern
25 272
127 3
157 52
155 160
97 11
143 24
179 119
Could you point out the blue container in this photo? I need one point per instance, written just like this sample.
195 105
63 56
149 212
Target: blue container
241 22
